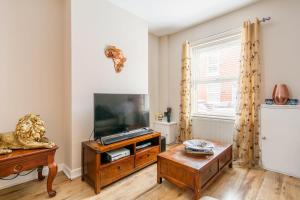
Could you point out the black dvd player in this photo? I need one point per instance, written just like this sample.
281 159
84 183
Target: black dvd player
124 136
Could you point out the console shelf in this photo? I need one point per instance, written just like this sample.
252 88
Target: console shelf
145 149
98 173
114 162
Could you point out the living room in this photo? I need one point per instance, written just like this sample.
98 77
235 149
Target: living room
216 73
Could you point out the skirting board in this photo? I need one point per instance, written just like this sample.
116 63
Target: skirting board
71 174
281 172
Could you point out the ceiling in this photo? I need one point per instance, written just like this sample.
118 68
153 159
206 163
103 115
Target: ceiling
169 16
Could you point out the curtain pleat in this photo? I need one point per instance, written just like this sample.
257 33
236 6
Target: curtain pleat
246 150
185 105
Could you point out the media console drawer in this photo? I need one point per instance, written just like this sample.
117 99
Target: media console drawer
116 170
146 156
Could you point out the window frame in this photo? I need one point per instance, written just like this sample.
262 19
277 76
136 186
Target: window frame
220 38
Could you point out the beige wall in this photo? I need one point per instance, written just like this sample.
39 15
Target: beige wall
52 61
67 85
32 65
153 69
279 39
96 24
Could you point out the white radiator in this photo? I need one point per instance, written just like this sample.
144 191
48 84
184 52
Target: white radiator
213 129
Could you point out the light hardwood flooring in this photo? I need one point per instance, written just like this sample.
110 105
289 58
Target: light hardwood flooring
234 184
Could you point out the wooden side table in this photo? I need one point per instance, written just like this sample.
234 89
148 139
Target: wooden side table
22 160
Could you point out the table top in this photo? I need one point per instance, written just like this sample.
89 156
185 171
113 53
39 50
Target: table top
24 152
178 155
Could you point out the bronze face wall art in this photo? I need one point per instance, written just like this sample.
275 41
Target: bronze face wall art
117 57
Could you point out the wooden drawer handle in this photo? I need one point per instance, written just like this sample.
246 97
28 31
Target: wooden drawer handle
119 167
17 168
148 155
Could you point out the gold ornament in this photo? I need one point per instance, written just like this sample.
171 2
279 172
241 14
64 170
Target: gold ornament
159 116
29 134
117 57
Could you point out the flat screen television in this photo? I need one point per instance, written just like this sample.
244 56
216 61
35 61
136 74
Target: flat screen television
116 113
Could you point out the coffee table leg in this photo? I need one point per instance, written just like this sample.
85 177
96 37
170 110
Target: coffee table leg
197 187
52 173
159 178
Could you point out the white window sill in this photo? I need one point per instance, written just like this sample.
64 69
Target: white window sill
214 117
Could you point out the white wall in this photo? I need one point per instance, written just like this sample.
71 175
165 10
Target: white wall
280 47
164 74
153 81
95 24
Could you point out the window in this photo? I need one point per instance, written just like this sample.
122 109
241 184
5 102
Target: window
213 64
215 71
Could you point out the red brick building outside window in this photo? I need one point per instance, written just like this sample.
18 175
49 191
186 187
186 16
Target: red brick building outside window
215 70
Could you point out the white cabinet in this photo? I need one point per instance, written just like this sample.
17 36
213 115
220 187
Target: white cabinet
167 129
280 139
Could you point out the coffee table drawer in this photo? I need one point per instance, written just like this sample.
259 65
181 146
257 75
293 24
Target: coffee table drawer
225 158
146 156
209 172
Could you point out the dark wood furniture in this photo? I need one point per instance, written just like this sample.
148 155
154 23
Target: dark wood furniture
98 172
190 171
22 160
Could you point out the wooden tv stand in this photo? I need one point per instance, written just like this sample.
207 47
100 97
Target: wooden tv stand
99 173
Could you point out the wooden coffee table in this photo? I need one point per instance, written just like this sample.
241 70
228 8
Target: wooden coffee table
193 172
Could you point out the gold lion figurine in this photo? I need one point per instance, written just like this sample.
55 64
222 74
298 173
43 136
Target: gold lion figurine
29 134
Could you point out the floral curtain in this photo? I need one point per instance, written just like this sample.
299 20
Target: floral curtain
246 149
185 106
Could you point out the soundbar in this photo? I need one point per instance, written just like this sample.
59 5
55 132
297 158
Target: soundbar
124 136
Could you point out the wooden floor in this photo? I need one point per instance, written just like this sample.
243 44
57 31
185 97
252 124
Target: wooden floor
234 184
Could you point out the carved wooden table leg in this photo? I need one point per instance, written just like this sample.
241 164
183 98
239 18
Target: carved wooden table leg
40 173
52 173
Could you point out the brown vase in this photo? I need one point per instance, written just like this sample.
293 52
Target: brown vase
280 94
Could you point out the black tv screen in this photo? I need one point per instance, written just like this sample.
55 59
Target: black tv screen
116 113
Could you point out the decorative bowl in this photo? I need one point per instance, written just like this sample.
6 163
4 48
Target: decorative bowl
199 147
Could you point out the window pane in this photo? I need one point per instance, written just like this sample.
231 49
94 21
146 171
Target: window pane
216 99
215 69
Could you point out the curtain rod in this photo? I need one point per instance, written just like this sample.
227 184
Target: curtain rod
234 30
